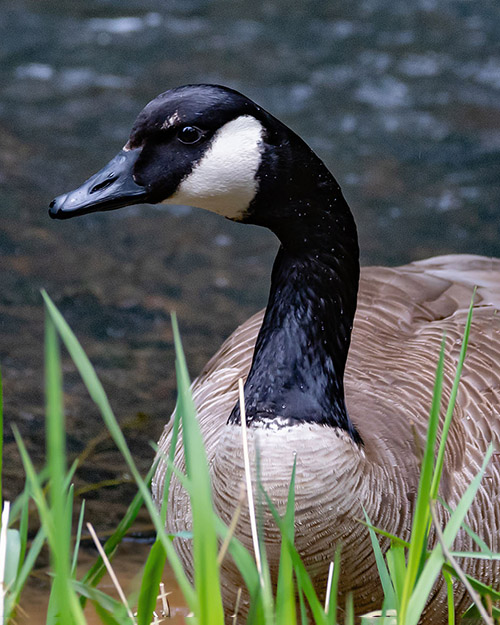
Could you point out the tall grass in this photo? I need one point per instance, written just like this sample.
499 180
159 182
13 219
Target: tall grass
407 571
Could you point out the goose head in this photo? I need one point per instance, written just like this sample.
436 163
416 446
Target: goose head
210 147
199 145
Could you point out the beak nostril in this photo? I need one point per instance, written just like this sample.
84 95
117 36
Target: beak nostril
110 188
104 184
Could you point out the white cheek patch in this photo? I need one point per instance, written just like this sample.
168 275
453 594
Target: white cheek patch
223 181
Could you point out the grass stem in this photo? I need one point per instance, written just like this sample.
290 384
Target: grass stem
111 572
246 460
329 587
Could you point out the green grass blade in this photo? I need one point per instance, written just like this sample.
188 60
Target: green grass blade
12 557
56 462
53 609
451 404
436 558
16 508
70 494
485 550
98 569
34 485
30 560
303 611
305 583
170 465
23 523
482 589
393 538
422 515
98 395
472 615
78 539
206 568
449 596
265 574
385 579
248 569
151 578
303 579
349 610
105 617
397 567
60 499
285 591
476 555
45 517
25 567
105 601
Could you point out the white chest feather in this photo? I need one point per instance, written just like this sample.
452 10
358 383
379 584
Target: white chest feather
223 180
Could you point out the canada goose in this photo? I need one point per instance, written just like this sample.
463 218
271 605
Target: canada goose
213 148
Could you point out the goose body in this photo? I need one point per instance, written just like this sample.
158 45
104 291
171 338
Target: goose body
401 317
345 390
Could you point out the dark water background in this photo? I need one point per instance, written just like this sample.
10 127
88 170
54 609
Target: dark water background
401 99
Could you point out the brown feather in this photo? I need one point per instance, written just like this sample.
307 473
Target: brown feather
401 317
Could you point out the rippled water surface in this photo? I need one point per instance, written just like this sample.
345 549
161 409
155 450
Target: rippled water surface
401 99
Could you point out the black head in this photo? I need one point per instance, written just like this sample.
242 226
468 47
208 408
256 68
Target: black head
200 145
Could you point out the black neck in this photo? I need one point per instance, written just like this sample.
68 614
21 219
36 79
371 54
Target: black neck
297 373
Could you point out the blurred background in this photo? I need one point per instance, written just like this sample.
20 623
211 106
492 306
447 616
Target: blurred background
401 99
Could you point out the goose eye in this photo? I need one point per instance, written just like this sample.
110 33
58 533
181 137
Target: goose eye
189 135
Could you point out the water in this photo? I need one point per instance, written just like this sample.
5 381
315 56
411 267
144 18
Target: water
402 101
126 564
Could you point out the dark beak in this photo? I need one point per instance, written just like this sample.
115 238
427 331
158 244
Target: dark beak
112 187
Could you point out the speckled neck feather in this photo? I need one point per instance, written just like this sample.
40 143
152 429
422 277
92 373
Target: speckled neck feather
298 365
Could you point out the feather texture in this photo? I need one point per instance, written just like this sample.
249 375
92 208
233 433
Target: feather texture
401 316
